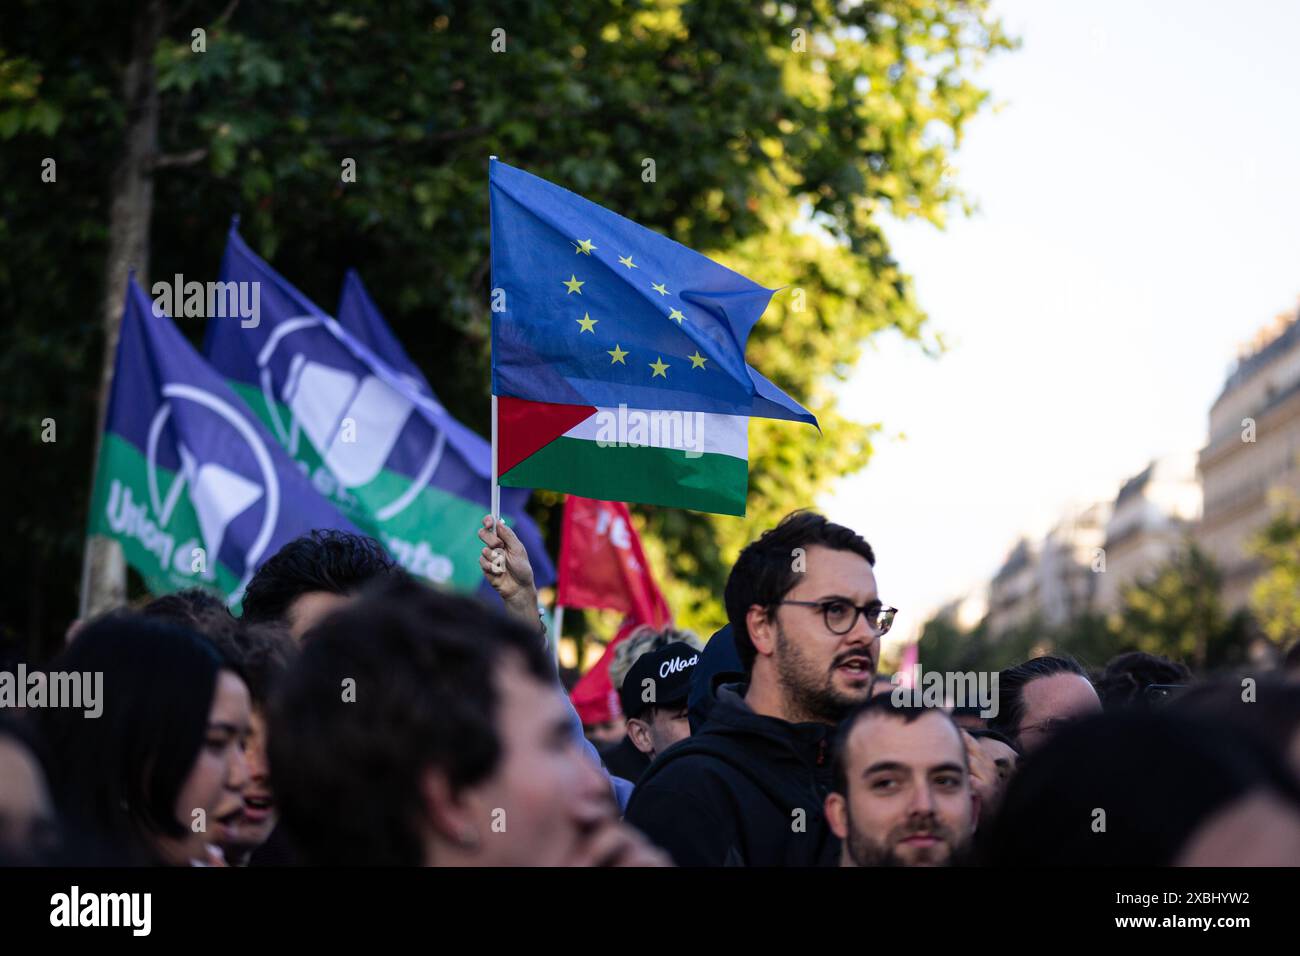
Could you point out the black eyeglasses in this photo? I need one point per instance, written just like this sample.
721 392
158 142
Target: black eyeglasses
841 616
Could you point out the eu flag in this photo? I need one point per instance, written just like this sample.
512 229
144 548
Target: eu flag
590 308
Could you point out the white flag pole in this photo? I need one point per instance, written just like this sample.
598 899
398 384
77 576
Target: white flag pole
496 488
557 626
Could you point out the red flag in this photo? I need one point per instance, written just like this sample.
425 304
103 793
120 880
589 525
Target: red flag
602 564
594 696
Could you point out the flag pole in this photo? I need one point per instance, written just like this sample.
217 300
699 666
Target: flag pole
557 626
496 488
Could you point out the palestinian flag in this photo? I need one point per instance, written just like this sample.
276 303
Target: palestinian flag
693 460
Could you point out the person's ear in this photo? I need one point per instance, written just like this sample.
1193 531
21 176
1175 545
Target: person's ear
836 809
762 630
638 731
975 804
452 816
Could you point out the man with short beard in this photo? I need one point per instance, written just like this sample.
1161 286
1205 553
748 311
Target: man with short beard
748 788
902 793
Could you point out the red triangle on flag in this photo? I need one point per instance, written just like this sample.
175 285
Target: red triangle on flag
524 428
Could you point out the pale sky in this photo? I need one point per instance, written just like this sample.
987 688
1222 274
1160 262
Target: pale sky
1139 218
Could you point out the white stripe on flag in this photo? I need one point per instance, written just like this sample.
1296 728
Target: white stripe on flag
657 428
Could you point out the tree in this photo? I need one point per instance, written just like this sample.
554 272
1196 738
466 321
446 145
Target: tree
1275 597
1176 612
1092 639
779 135
943 646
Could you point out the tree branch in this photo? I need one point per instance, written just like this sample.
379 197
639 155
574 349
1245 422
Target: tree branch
168 160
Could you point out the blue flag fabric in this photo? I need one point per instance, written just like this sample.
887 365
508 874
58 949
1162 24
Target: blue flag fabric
601 311
375 441
191 484
360 316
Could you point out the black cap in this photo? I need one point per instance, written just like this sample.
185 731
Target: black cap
669 672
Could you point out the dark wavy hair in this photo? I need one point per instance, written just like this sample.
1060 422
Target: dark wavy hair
260 654
192 607
337 562
423 664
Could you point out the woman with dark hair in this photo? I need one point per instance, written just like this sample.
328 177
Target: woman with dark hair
155 773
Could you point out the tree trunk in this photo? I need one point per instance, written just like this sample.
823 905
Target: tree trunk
103 583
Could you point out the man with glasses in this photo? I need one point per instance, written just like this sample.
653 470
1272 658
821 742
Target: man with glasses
749 787
1039 697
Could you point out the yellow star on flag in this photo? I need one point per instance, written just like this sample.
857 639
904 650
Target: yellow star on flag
573 284
697 360
676 314
584 246
588 323
659 367
627 261
618 355
659 287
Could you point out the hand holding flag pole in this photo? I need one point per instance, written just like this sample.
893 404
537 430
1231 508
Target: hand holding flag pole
495 561
504 562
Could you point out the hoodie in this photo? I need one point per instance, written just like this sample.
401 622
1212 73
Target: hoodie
746 790
719 664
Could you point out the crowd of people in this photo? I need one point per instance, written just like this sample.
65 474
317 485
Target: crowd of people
354 715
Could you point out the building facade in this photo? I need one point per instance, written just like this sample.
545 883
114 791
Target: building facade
1155 512
1069 563
1249 464
1013 592
1051 581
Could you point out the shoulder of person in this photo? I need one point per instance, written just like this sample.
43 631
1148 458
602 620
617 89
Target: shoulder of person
689 780
700 756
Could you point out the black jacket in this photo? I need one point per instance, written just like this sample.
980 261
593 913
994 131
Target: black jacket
624 760
746 790
719 664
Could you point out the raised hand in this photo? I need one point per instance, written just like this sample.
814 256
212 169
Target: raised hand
505 564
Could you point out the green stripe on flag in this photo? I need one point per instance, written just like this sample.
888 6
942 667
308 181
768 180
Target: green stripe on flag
654 476
432 537
121 508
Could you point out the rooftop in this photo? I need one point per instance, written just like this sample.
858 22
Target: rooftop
1271 341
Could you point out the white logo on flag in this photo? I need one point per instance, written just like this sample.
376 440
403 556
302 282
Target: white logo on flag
321 397
218 494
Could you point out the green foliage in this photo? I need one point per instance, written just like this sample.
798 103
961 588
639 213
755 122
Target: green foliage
1275 597
1174 612
777 162
1177 612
